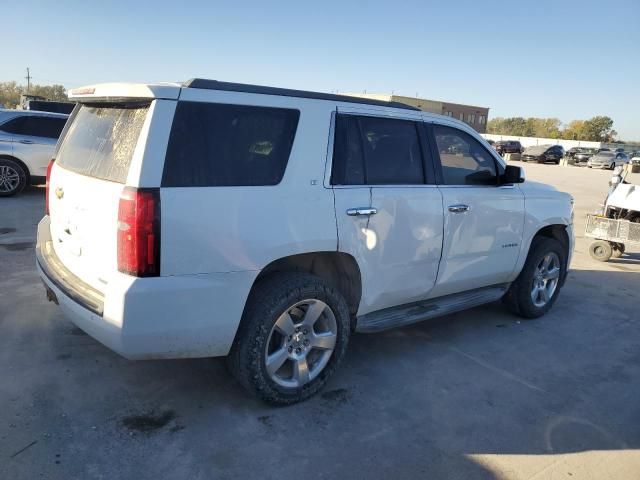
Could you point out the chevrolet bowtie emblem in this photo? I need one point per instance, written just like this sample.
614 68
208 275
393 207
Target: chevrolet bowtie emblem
59 193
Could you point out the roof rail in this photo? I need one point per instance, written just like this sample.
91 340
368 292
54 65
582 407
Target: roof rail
286 92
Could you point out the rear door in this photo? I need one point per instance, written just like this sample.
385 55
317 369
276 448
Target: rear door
388 210
91 167
483 221
34 140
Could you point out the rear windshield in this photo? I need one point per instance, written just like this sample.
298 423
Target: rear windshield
101 140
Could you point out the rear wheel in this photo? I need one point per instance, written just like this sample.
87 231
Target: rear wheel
13 178
600 250
535 290
294 333
613 165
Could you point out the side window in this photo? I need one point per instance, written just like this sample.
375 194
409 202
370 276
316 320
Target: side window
14 126
53 127
348 159
47 127
228 145
376 151
35 126
464 160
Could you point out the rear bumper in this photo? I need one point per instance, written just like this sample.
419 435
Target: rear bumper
143 318
50 267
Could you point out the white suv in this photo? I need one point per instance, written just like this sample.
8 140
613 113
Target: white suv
212 219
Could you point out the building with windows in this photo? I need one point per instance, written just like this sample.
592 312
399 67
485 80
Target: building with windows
475 116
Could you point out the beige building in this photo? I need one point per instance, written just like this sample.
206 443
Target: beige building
476 117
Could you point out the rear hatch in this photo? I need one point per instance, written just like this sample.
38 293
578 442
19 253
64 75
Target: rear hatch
91 167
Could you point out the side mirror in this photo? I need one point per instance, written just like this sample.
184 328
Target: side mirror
512 174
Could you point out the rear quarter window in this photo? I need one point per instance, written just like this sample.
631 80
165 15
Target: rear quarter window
214 145
101 140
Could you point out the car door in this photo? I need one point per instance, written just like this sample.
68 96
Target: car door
34 141
388 208
483 220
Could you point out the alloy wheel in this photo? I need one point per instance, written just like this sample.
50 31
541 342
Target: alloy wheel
300 343
9 179
545 279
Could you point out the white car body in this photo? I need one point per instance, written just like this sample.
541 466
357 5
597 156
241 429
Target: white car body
33 151
215 241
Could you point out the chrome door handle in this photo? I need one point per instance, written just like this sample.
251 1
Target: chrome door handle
459 208
356 212
28 142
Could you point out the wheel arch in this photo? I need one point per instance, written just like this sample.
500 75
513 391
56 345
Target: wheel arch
557 232
338 268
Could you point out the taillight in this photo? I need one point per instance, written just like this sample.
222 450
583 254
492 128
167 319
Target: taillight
46 188
139 232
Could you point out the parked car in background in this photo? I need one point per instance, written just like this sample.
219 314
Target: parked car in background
583 156
127 251
508 146
27 143
572 151
607 159
543 154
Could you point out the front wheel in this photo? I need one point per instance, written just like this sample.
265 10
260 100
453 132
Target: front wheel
537 287
613 166
293 335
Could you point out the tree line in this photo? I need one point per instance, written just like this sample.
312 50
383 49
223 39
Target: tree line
596 129
10 93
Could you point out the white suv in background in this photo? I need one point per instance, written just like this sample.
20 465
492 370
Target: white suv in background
27 143
212 219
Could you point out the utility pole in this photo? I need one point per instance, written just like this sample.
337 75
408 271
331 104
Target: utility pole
28 77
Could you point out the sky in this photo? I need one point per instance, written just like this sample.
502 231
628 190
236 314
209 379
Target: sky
565 59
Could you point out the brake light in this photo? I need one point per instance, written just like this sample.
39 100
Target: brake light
139 232
46 188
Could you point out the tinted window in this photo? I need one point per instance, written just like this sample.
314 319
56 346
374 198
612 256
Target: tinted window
348 159
228 145
464 160
100 141
376 151
35 126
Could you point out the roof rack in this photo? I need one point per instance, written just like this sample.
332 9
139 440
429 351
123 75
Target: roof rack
286 92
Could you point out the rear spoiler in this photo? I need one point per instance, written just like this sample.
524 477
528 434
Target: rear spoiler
125 92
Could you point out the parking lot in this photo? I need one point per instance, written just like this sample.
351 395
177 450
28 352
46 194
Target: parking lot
478 394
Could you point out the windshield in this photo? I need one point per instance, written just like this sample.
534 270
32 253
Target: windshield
605 154
101 140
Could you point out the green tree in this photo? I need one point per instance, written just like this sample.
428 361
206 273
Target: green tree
599 129
10 93
574 131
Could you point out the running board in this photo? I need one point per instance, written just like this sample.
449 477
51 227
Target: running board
436 307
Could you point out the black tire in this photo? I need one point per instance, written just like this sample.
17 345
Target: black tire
617 250
600 250
268 300
12 167
518 297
